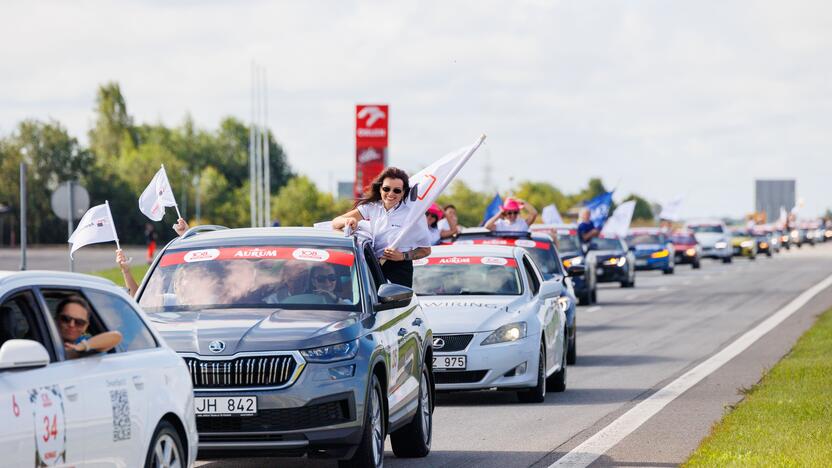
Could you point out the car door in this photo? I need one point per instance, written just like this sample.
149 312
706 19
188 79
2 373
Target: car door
116 382
41 409
546 308
395 326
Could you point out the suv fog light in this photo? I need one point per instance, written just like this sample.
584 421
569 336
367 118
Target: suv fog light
341 372
519 370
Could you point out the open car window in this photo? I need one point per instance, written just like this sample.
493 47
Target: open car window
20 319
307 276
466 275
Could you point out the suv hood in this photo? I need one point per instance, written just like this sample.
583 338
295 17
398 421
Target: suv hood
466 314
247 330
708 239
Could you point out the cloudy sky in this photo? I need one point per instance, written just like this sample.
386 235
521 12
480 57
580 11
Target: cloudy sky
663 98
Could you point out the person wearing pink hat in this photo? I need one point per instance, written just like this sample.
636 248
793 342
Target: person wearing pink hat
432 216
508 219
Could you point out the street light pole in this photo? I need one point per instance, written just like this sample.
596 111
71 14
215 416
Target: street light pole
23 216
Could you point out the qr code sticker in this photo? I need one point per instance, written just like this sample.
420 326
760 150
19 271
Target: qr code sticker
121 414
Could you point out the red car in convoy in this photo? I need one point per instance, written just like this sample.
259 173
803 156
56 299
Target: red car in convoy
687 249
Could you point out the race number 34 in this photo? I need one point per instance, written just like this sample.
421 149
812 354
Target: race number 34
50 426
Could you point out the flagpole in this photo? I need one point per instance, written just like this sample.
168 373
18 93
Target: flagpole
175 205
112 223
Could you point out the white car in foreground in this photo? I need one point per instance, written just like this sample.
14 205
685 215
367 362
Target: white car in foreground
495 322
132 406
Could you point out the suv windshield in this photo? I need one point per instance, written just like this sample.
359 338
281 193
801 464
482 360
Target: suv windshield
715 228
253 276
606 244
567 243
460 275
683 239
639 239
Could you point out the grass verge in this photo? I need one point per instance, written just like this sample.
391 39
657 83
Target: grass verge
784 420
114 274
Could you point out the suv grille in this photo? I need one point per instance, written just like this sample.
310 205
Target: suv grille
452 342
304 417
256 371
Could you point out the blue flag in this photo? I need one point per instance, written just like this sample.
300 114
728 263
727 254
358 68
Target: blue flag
492 209
599 209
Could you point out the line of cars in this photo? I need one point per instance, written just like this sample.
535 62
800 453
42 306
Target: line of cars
290 341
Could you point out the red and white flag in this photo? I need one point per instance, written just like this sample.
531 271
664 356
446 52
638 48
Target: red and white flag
95 226
427 184
157 196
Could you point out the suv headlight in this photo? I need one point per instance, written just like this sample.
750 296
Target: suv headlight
506 333
573 261
720 245
747 244
331 353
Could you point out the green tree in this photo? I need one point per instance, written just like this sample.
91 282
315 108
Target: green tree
642 210
541 194
470 204
113 125
300 203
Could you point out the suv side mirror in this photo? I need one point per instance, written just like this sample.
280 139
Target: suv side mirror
22 354
391 296
576 270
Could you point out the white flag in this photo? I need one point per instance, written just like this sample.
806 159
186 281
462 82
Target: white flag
671 211
428 183
551 216
157 196
96 226
618 224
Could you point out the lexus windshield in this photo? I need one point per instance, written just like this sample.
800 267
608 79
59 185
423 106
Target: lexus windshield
253 276
460 275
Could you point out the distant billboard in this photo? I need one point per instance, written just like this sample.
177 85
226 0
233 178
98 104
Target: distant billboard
771 195
371 130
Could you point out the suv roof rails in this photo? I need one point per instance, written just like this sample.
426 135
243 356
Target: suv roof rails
203 228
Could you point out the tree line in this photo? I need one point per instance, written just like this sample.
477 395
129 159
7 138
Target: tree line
122 156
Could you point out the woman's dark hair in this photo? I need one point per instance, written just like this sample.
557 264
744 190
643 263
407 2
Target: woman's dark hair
373 191
435 223
74 299
449 205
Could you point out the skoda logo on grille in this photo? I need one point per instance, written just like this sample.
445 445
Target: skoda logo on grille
438 343
216 346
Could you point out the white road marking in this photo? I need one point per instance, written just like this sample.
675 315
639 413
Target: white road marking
584 454
593 309
631 297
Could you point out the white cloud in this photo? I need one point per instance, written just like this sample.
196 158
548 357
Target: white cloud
668 97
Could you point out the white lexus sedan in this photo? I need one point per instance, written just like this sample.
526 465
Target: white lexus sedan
496 323
132 406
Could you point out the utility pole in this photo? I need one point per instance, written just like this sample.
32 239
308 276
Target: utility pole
23 221
70 222
252 176
267 192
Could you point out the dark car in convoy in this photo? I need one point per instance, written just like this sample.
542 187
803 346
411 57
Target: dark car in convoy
296 344
569 248
541 248
688 250
615 262
653 250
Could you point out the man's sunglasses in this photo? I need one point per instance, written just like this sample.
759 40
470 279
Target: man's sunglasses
320 278
396 190
72 320
511 212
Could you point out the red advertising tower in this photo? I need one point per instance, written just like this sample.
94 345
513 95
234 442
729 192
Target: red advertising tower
371 124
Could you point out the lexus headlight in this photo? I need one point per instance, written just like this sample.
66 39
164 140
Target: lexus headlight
747 244
721 245
506 333
563 304
331 353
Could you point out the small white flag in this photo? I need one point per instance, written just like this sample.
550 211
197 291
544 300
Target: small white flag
618 224
671 211
157 196
428 183
551 216
96 226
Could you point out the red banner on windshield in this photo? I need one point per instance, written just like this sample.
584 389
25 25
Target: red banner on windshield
466 260
307 254
525 243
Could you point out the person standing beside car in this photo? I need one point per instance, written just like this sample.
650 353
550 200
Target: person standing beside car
586 229
384 205
449 225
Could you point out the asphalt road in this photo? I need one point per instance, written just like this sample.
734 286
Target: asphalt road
88 259
630 345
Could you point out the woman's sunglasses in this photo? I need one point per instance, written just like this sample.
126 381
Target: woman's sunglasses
511 212
321 278
396 190
72 320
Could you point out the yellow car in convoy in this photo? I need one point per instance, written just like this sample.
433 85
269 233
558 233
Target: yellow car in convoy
744 243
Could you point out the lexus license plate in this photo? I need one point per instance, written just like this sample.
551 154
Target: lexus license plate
226 406
450 362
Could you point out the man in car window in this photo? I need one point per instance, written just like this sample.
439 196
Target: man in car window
73 315
586 229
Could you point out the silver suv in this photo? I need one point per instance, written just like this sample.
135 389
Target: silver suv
296 344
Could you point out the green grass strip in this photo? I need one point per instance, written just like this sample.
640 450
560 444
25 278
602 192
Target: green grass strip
784 420
114 274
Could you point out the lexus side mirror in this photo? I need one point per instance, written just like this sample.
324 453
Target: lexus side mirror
576 270
391 296
23 354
